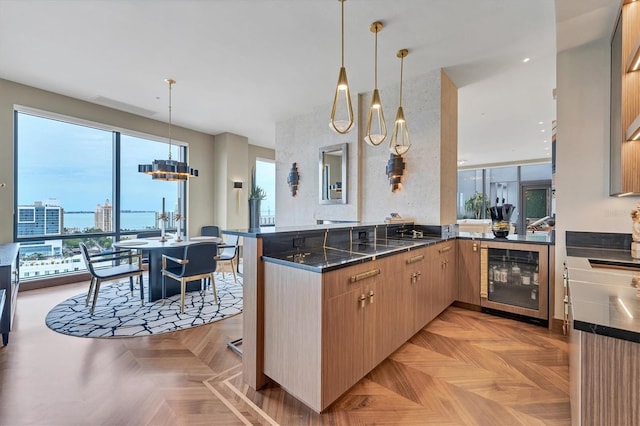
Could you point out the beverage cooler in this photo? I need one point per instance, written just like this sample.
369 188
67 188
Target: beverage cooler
514 278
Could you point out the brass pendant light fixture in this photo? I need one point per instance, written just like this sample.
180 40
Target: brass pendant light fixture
376 125
400 141
342 111
170 170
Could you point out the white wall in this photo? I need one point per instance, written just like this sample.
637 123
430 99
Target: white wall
582 162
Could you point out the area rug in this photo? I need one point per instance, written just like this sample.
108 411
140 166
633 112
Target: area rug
119 314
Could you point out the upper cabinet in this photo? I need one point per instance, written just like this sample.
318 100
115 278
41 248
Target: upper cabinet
625 103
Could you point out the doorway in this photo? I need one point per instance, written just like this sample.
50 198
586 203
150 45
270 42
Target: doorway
536 203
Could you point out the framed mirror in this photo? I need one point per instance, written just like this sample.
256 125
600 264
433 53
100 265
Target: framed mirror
333 174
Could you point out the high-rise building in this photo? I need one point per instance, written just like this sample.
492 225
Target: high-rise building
103 217
41 218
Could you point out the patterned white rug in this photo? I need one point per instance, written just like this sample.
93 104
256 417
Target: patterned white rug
119 314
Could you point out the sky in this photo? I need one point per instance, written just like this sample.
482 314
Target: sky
73 164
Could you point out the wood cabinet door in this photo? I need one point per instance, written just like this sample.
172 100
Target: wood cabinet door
450 283
342 338
422 286
468 272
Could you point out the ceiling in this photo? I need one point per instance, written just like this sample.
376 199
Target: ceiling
243 65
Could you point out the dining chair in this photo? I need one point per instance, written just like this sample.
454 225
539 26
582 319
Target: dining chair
147 234
210 231
229 254
198 262
109 266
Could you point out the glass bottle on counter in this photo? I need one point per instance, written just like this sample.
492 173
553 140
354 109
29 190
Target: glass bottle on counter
535 276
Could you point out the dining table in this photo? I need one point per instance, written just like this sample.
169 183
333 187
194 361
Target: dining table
156 247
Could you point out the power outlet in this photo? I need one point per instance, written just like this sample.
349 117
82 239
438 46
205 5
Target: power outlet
298 242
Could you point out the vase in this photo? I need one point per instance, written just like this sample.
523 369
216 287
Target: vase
254 214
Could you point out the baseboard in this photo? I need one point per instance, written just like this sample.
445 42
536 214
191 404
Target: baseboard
468 306
54 281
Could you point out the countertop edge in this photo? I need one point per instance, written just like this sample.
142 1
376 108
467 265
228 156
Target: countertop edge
604 330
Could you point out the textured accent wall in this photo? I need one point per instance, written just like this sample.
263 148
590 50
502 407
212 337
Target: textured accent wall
370 198
298 140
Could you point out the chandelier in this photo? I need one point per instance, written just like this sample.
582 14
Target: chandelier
170 170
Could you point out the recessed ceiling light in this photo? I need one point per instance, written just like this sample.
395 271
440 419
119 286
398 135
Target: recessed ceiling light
540 122
546 148
542 130
545 141
525 60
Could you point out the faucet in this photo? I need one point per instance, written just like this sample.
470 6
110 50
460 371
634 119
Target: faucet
416 234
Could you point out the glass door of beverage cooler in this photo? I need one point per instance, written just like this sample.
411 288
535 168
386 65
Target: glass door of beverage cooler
515 278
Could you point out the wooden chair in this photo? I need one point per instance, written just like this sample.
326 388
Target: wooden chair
229 254
109 266
197 262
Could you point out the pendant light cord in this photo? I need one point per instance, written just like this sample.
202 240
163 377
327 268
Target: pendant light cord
401 69
375 73
342 31
170 86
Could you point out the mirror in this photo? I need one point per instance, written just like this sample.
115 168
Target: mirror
333 174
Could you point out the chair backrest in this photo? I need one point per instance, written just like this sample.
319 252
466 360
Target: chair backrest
201 258
230 252
87 260
210 231
148 234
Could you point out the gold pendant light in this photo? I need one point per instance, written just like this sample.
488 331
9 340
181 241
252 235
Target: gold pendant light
400 141
171 170
376 125
342 111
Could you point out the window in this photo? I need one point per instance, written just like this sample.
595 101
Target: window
266 179
77 182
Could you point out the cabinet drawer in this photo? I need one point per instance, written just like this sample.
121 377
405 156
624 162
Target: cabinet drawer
344 280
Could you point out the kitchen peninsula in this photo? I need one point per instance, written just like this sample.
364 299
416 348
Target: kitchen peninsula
325 304
604 311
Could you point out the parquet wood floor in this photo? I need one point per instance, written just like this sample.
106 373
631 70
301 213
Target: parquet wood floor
464 368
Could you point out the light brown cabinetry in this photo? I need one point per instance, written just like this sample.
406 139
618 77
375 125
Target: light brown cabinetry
325 331
443 276
468 272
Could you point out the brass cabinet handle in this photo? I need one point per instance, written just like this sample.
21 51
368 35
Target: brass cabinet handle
371 294
475 246
362 298
415 259
364 275
418 274
444 249
484 271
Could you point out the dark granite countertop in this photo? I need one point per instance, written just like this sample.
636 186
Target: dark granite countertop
604 300
604 283
324 259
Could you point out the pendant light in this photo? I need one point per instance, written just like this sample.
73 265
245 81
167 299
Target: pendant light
376 126
170 170
400 142
342 111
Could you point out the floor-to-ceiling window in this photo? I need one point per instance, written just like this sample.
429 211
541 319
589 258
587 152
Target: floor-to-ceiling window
78 181
266 179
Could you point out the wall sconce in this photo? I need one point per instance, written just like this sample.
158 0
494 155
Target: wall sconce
395 170
293 179
237 187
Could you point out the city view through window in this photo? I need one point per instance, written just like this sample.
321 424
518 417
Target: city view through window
66 187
